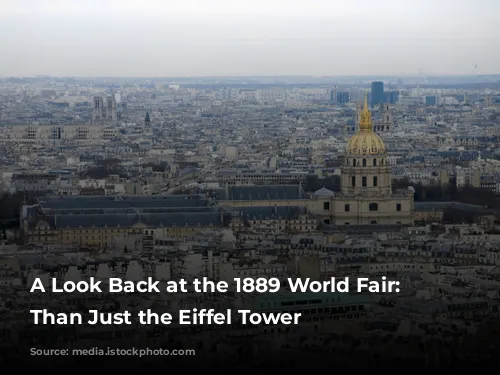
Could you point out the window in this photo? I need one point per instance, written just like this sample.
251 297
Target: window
373 222
373 207
364 162
347 223
398 207
363 181
347 208
326 206
353 162
375 180
326 221
374 162
353 181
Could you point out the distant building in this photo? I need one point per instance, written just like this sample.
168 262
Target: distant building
103 112
391 97
230 177
400 84
385 124
431 100
487 100
96 221
377 94
231 153
343 97
366 193
45 134
147 124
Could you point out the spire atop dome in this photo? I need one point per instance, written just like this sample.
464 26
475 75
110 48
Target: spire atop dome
365 122
365 141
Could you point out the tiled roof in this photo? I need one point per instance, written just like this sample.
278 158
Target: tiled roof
262 192
65 202
178 219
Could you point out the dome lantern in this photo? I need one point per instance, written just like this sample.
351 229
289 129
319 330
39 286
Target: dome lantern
365 141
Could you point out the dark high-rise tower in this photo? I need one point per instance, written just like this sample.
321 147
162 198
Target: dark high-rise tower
377 93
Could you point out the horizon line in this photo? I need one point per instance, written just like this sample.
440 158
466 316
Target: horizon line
386 76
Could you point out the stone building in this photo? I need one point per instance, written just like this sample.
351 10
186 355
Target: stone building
366 195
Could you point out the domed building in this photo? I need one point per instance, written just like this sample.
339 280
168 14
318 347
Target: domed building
366 195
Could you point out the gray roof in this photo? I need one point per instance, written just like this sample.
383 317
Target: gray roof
362 228
178 219
86 202
453 206
266 212
147 210
261 192
323 192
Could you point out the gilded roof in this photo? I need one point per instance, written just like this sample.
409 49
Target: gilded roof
365 141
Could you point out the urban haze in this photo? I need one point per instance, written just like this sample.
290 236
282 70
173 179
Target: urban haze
267 140
169 38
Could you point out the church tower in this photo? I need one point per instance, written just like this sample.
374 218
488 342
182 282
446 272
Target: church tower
97 110
351 128
103 110
147 124
366 195
385 124
366 171
110 108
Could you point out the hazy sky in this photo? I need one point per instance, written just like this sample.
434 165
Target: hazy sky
248 37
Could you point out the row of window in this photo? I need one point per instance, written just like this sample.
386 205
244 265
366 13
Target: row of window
364 163
364 181
371 207
373 222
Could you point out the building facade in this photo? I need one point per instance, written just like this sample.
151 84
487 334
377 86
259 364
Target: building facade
104 110
377 94
366 195
49 134
385 123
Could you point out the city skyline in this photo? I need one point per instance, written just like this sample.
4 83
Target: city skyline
223 38
251 184
237 181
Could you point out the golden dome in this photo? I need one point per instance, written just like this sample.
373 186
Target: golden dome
365 141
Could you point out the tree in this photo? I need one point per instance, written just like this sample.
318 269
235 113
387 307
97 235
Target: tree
108 163
101 172
156 167
450 192
10 205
